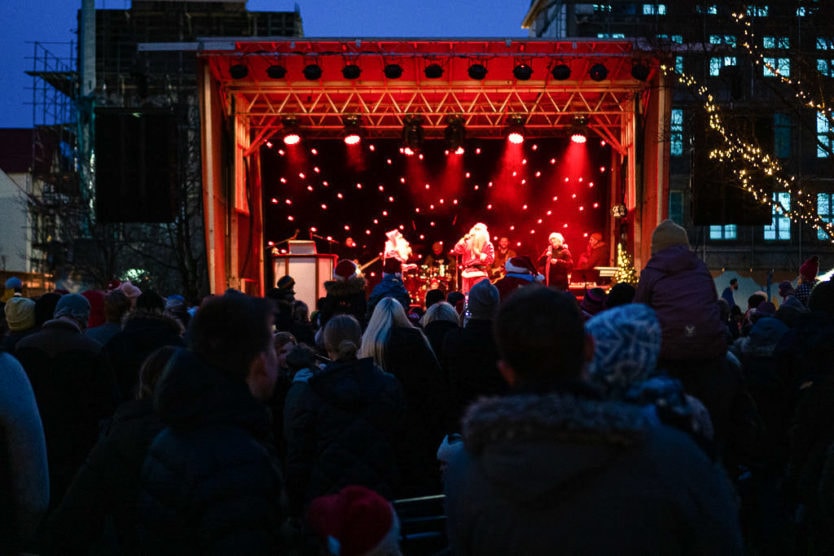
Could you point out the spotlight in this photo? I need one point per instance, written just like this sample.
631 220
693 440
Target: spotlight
477 71
238 71
353 132
455 134
312 72
560 72
579 130
276 71
515 130
433 71
640 71
351 71
598 72
393 71
290 131
522 72
413 135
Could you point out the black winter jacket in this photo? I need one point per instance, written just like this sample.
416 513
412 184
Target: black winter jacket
211 483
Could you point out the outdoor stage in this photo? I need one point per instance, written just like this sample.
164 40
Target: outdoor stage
440 95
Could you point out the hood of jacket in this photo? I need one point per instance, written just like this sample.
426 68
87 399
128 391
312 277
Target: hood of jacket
192 393
533 446
350 384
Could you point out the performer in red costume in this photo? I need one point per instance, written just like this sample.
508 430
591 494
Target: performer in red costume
477 254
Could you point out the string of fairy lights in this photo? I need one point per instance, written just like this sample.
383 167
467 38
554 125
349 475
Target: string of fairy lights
749 162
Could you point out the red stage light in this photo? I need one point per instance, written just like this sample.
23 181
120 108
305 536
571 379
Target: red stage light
579 138
515 138
292 139
352 139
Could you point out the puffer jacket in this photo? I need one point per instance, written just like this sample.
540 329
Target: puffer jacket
211 483
561 473
344 297
343 426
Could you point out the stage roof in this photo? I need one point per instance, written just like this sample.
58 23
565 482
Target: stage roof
547 105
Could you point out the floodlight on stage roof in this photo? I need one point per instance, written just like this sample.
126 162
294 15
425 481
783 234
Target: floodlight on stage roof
477 71
351 71
276 71
312 72
291 134
515 130
238 71
433 71
393 71
560 72
413 134
353 131
598 72
640 71
522 72
455 134
579 130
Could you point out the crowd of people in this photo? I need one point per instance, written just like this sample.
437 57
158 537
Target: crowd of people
639 419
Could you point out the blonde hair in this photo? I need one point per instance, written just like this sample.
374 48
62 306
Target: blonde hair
442 310
480 237
388 314
342 336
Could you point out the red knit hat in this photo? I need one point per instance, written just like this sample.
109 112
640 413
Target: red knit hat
344 269
809 268
357 519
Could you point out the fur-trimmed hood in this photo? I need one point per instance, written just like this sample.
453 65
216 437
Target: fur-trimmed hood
531 446
347 287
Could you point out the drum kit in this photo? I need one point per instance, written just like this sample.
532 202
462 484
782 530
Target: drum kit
424 278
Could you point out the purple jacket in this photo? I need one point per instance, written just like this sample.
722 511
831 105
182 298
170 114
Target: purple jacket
678 286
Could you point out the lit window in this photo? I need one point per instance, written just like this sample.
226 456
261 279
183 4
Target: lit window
825 210
782 43
602 8
774 66
611 35
676 132
782 129
730 231
654 9
712 9
757 11
718 62
679 64
780 227
677 39
726 40
825 67
824 44
825 141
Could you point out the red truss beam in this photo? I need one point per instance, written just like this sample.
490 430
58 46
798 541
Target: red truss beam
547 105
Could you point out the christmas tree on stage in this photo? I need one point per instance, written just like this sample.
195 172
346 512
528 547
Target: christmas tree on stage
625 267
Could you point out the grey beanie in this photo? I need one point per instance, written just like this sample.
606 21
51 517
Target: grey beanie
483 300
73 305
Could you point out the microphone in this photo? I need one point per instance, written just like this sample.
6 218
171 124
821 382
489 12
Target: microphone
295 235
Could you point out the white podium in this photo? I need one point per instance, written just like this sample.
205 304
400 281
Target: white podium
310 272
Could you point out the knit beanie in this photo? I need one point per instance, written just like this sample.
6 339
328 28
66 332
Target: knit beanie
593 301
13 283
809 268
392 266
20 313
520 265
626 346
73 305
786 288
483 300
355 521
96 299
286 284
131 291
434 296
668 234
344 269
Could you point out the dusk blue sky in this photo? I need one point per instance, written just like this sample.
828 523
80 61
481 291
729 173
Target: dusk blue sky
53 22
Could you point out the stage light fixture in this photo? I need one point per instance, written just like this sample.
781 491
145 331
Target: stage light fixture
433 71
579 130
640 71
238 71
598 72
393 71
455 134
353 131
312 72
291 134
515 130
413 135
560 72
522 72
477 71
276 71
351 71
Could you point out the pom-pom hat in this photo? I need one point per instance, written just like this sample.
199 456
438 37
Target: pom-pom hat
344 269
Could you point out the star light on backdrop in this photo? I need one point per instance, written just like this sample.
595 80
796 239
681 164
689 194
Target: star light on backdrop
522 191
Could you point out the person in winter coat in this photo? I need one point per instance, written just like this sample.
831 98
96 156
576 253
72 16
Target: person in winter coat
678 286
552 469
439 319
211 482
402 349
106 488
556 262
345 294
342 424
391 286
